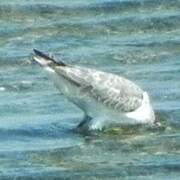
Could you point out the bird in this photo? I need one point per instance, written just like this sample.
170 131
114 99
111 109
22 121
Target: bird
106 99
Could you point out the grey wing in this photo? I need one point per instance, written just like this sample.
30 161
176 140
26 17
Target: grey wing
111 90
119 101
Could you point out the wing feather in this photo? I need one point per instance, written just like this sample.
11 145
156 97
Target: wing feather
111 90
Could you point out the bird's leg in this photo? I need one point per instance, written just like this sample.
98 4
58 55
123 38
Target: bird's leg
89 123
84 123
97 123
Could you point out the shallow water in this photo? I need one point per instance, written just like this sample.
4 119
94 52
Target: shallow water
137 39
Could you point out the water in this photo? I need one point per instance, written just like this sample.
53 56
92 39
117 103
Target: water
137 39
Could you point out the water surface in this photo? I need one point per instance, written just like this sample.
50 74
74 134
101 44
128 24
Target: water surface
137 39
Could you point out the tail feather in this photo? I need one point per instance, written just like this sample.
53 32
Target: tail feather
45 60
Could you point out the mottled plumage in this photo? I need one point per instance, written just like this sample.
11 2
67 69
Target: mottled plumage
106 98
109 89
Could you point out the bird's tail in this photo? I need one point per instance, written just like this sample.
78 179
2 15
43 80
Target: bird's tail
45 60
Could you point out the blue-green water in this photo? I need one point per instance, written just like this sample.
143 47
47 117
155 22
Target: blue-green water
139 39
